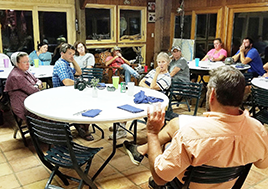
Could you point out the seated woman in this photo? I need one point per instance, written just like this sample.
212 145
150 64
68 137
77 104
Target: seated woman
83 59
216 54
41 54
117 60
178 67
159 78
21 83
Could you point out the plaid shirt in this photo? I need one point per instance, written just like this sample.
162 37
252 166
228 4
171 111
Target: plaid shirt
61 71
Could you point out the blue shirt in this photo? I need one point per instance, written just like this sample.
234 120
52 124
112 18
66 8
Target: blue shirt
61 71
256 63
44 58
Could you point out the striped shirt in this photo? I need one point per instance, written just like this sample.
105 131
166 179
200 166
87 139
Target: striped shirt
163 80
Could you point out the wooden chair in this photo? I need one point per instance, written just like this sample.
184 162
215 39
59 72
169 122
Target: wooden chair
62 151
108 70
259 100
212 175
182 93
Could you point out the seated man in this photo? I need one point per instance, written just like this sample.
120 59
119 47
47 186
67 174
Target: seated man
178 67
117 60
225 137
249 55
63 75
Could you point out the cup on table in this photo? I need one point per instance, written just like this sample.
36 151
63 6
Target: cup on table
6 62
130 90
36 63
115 81
197 61
145 69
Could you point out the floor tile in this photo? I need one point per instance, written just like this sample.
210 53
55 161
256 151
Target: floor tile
24 163
32 175
18 154
5 169
9 181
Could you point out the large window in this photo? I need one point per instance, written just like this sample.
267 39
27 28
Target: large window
17 31
185 23
205 33
100 23
253 25
132 23
52 28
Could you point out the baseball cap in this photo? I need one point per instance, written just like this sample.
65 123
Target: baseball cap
175 47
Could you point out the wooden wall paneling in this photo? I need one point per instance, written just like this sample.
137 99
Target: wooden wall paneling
225 27
193 25
162 25
172 29
219 23
36 33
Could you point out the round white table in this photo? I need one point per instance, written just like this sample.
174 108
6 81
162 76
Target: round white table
65 104
40 72
260 82
62 104
44 73
205 66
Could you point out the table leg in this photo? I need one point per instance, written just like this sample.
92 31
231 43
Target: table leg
116 146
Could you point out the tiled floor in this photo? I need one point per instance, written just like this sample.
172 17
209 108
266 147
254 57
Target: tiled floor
20 167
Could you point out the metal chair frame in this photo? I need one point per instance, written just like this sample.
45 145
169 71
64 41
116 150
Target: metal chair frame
212 175
62 151
180 91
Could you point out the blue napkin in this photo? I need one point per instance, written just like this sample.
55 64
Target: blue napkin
140 97
130 108
102 84
91 113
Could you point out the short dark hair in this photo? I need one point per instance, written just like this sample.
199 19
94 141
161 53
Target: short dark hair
229 85
250 40
219 39
65 46
76 44
39 45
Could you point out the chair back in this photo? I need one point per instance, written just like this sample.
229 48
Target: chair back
259 99
186 91
90 73
248 77
213 175
62 152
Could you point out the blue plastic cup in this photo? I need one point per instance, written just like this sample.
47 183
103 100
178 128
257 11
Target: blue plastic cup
197 61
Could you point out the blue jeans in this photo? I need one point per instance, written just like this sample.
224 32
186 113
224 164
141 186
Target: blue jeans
128 72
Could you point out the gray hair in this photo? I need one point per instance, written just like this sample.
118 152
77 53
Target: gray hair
163 55
15 57
229 85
